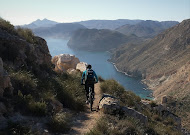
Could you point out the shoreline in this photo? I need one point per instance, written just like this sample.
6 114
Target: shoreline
142 81
119 70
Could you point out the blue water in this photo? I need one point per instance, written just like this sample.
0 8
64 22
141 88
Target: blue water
102 67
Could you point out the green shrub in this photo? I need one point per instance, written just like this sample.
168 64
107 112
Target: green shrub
32 107
69 91
111 125
60 122
114 88
24 81
17 129
6 25
101 79
26 34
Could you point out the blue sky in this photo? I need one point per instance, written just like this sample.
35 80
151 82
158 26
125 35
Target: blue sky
26 11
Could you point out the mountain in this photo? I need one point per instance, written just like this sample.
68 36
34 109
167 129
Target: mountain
146 29
61 30
107 24
164 63
40 23
99 40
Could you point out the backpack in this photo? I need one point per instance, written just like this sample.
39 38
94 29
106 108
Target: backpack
90 75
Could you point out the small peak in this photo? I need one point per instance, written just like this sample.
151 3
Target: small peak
45 19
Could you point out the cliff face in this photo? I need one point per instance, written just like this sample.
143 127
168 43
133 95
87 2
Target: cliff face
163 62
17 53
99 40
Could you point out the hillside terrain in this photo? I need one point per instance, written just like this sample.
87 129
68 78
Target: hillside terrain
146 29
164 64
99 40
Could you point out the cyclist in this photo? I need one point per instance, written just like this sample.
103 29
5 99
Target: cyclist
90 77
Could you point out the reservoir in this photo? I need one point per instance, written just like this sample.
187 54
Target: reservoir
101 66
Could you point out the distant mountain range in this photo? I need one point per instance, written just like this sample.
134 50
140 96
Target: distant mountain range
140 28
146 29
60 30
107 24
40 23
99 40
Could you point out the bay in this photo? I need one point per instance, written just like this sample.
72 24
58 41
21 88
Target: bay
100 64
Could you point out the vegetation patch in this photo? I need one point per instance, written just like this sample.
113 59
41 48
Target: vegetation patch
127 98
60 122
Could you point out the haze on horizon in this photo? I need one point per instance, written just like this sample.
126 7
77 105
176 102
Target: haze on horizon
23 12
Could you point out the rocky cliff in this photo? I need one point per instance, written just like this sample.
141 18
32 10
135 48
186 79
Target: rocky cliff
163 62
99 40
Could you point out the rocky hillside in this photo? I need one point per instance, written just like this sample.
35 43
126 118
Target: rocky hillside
61 30
29 87
99 40
146 29
163 62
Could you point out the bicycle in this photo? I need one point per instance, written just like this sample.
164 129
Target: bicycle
90 96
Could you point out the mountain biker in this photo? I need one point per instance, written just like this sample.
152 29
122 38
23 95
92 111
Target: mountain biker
90 77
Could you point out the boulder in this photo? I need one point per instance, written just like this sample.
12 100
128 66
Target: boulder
127 111
63 62
81 66
110 105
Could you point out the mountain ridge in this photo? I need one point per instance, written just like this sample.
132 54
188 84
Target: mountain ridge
146 29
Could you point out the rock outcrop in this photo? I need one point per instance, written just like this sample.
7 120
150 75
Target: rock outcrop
110 105
63 62
81 66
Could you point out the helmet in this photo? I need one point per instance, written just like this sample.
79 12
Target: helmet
88 66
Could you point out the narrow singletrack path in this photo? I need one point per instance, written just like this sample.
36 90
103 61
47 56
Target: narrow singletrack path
84 121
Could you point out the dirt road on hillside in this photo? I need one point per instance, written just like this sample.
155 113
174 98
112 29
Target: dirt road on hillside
84 121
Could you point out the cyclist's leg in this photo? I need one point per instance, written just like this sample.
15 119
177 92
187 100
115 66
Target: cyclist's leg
87 91
92 86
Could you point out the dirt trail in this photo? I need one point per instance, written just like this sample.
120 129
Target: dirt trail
85 121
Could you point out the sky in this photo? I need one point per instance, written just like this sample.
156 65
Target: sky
20 12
